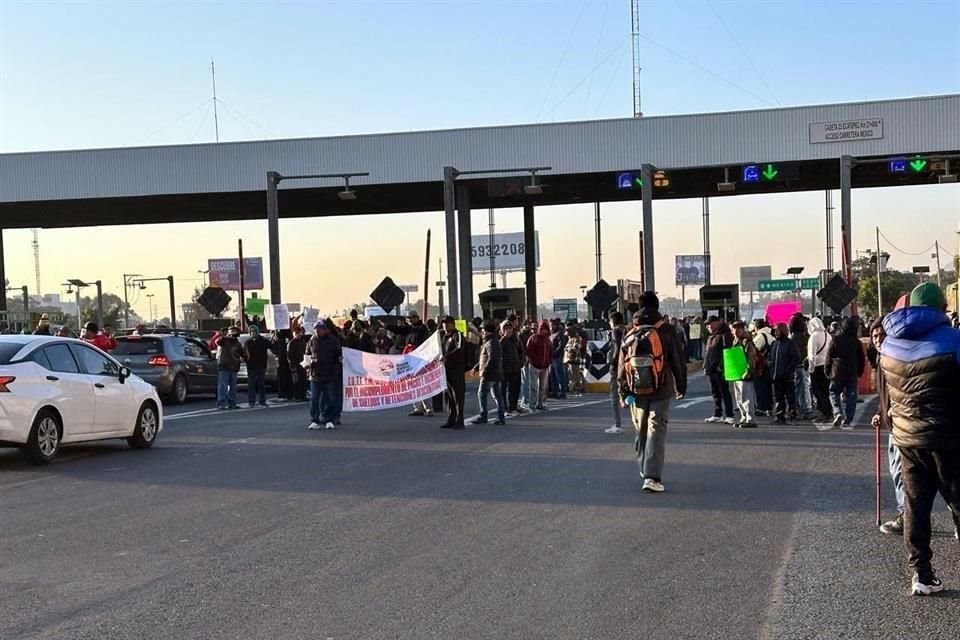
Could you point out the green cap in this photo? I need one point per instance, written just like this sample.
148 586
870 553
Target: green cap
928 295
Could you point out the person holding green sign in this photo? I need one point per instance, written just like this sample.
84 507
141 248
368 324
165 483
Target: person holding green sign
751 364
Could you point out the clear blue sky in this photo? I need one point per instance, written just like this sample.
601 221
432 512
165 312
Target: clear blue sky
76 75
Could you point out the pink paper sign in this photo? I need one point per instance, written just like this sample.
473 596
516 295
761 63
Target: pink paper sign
778 312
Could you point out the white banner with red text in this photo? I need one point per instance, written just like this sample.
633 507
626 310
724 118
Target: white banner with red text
372 382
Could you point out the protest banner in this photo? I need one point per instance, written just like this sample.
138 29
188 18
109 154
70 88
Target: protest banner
277 317
372 382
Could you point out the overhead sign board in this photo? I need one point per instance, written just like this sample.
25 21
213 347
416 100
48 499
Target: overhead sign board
509 252
788 284
809 283
225 273
750 277
846 130
691 269
565 308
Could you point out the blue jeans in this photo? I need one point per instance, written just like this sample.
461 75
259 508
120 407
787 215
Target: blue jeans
257 386
896 471
849 392
226 388
323 401
558 377
801 380
484 394
525 385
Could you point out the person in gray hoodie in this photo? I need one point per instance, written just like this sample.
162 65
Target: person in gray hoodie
490 368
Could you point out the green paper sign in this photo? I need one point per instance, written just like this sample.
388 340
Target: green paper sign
734 364
461 326
254 306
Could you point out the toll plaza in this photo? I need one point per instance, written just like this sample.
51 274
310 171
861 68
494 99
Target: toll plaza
822 147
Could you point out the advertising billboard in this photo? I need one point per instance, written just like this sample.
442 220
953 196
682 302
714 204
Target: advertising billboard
691 270
225 273
509 251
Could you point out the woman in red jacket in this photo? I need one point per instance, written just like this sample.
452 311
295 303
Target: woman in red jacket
539 352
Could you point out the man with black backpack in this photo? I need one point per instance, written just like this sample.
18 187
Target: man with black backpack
652 371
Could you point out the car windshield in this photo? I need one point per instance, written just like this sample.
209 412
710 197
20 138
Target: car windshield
8 349
136 346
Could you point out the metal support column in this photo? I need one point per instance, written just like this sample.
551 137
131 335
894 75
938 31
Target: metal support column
173 305
99 303
530 260
3 276
829 211
846 168
708 267
273 237
596 209
465 256
648 257
450 220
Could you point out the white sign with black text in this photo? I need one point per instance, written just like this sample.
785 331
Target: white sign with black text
846 130
508 249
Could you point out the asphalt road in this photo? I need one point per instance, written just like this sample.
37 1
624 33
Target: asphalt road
241 525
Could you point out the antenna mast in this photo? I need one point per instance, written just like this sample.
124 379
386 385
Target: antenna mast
216 122
635 37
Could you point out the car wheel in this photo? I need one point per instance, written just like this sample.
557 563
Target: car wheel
179 390
44 441
146 428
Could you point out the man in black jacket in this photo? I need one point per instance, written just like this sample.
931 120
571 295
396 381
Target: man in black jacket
296 349
650 410
229 357
490 369
512 364
845 364
921 363
255 351
326 365
720 338
783 358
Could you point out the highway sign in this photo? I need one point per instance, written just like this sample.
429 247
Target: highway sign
810 283
788 284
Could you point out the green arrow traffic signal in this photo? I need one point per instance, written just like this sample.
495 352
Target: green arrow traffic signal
638 181
918 165
770 172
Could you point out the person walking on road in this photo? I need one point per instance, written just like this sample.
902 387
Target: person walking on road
490 368
255 351
617 331
540 356
296 349
453 347
229 357
783 358
920 359
512 352
720 339
743 389
845 364
652 372
326 366
817 349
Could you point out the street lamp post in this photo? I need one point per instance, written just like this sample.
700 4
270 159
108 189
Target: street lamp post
26 300
150 307
79 284
173 302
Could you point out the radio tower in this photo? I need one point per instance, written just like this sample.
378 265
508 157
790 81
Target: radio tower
36 258
635 37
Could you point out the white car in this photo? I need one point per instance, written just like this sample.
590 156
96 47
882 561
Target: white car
56 391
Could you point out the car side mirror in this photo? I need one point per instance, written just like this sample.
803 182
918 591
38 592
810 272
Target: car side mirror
124 374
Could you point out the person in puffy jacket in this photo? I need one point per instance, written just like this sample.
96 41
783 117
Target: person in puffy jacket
801 377
92 335
326 364
255 352
783 358
920 359
490 368
817 348
845 364
539 352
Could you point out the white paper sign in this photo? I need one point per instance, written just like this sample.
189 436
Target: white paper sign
277 317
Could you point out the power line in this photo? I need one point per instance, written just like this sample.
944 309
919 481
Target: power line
170 124
590 73
596 53
202 120
704 69
250 120
610 83
907 253
556 69
743 51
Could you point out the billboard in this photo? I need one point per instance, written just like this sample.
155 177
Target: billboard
509 251
750 277
691 270
224 273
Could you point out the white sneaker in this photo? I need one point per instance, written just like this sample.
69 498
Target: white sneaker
614 430
329 425
713 419
652 486
823 426
926 587
846 426
429 412
314 426
730 421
